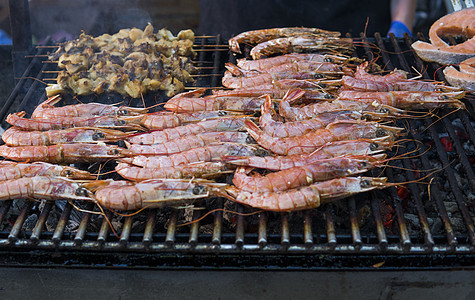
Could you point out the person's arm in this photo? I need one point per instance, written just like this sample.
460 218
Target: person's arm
402 16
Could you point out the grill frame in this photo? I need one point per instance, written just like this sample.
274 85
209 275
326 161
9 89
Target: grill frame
313 251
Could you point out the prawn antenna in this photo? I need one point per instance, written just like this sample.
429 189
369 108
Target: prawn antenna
223 210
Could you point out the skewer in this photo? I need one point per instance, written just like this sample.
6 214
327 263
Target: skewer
204 36
207 87
208 50
37 55
205 75
194 62
210 46
58 71
197 75
56 46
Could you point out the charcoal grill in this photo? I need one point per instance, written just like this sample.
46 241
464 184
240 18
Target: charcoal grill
416 226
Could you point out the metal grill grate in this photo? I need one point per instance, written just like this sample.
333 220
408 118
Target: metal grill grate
427 228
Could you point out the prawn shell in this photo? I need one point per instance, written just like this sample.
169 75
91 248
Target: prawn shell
150 193
41 187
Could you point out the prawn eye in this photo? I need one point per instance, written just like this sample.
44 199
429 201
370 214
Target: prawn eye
365 183
445 97
384 110
198 189
327 59
328 96
114 152
373 146
97 136
222 113
123 112
317 75
250 140
81 192
67 173
122 122
380 132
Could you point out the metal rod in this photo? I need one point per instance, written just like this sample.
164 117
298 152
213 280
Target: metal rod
171 230
36 232
239 226
218 224
81 232
126 230
63 220
307 227
355 229
331 232
194 229
285 235
105 227
383 241
15 231
148 232
262 235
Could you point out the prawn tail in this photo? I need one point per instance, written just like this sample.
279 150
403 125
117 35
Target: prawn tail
233 69
293 95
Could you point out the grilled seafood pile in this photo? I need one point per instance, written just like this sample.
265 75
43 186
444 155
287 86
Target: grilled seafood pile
82 133
268 42
291 132
130 62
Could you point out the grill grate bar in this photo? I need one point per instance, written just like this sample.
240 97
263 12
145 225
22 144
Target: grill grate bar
331 232
16 229
36 232
171 230
81 231
307 228
105 227
262 235
355 230
218 224
404 234
63 220
148 232
126 230
239 241
380 232
194 230
285 237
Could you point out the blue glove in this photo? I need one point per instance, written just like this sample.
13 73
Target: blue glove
398 29
4 38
